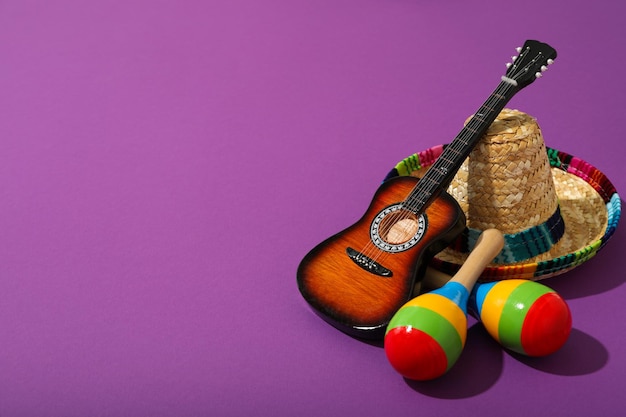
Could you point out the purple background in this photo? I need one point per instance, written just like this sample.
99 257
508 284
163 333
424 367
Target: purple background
165 165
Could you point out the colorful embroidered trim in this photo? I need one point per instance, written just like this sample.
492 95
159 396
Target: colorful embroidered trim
527 243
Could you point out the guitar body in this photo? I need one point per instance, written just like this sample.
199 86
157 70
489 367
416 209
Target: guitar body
358 285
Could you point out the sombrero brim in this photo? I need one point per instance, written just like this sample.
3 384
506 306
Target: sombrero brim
589 204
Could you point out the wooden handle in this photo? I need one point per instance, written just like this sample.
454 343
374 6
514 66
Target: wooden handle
488 245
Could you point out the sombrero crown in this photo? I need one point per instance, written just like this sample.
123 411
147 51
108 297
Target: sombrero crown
555 211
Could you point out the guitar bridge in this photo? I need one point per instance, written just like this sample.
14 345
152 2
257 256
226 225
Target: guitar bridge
368 263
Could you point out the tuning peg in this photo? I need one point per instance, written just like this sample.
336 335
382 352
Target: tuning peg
544 68
550 61
538 75
518 49
508 65
513 58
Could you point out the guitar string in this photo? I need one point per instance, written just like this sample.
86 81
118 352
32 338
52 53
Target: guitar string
412 198
416 201
417 198
504 87
427 186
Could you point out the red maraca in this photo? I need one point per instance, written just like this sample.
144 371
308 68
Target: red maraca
524 316
426 335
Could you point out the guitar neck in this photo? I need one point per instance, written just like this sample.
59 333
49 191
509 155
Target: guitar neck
441 173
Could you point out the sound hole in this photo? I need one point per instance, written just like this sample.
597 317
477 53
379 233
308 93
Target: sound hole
395 229
399 228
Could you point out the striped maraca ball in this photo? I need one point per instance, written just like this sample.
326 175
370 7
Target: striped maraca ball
524 316
427 334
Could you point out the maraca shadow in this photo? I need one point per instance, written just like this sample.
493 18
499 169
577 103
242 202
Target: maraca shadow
581 355
478 369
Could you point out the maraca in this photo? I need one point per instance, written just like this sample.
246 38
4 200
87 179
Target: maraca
426 335
524 316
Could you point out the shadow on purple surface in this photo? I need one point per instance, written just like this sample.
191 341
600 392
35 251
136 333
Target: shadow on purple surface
477 370
481 364
598 275
581 355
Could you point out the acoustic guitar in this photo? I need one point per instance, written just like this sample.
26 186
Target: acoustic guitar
357 279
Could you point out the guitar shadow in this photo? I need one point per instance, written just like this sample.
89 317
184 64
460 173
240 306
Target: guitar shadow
482 362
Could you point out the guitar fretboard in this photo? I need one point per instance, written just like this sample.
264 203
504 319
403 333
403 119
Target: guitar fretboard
445 167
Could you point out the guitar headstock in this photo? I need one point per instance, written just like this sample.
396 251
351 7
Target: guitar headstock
533 59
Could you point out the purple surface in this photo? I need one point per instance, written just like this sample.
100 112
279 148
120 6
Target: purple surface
165 165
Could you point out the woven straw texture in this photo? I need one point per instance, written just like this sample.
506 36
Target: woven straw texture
506 181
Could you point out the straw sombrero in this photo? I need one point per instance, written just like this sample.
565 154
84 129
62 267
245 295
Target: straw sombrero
556 211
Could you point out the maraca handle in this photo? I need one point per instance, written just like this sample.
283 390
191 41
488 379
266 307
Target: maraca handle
488 245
